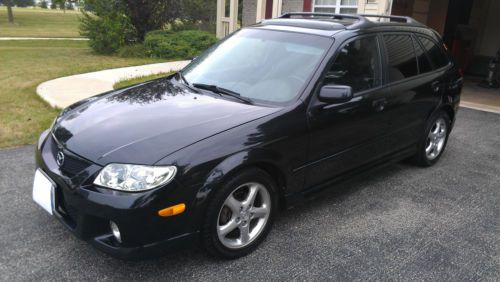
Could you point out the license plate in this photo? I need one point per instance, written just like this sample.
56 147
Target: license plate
43 191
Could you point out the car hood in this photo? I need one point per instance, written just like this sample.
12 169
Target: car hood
145 123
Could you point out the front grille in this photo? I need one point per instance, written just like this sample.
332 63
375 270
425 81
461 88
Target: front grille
72 164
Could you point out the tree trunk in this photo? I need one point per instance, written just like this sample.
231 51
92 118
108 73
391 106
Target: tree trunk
9 10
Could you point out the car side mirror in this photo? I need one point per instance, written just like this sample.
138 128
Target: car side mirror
335 93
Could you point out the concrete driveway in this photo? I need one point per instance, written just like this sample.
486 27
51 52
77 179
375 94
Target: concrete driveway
399 223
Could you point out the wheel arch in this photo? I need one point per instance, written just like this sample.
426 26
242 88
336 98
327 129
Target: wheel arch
448 109
243 161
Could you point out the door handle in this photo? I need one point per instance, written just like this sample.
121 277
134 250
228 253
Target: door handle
379 104
436 85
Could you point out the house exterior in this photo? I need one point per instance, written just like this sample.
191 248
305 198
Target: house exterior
251 13
469 27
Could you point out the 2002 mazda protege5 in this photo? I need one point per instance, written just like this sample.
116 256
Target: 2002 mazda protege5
260 121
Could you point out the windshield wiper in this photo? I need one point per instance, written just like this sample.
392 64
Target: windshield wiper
220 91
181 76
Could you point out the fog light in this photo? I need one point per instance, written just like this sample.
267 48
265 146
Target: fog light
116 231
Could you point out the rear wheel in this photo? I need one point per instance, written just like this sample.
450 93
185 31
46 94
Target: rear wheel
240 215
433 143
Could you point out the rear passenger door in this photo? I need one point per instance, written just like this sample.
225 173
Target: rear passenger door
415 88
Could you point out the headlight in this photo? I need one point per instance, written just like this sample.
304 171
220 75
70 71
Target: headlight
134 178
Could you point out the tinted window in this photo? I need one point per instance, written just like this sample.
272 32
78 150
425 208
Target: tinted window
436 54
402 62
424 65
357 65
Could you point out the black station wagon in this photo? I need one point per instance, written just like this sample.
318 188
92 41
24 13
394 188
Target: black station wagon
262 120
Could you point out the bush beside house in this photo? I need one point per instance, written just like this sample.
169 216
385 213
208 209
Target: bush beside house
113 26
184 44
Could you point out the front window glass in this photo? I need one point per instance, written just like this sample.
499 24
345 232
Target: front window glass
263 65
357 65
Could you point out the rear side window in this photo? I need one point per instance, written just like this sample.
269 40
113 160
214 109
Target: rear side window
357 65
402 62
424 65
436 54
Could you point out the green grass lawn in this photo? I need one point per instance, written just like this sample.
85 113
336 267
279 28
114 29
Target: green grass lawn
29 22
136 80
24 65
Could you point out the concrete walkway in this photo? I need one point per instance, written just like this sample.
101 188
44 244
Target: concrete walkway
478 98
64 91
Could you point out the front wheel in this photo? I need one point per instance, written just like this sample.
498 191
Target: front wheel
432 145
240 214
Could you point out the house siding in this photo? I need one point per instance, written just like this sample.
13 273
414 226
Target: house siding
249 12
292 6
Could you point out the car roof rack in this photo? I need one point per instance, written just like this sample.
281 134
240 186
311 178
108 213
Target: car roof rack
398 19
360 20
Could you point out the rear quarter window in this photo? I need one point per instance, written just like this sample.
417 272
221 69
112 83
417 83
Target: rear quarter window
437 56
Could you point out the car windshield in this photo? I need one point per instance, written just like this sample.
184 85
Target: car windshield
261 65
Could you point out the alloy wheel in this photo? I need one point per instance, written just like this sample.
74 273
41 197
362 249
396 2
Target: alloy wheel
243 215
436 139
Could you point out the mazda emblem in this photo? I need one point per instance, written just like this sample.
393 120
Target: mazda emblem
60 158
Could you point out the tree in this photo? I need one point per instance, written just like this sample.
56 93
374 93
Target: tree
44 5
60 3
107 27
23 3
201 12
8 3
147 15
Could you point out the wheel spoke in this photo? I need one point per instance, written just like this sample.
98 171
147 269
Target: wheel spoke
428 149
228 227
245 233
441 133
434 148
259 212
233 204
252 193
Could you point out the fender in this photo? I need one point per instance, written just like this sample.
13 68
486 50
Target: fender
258 157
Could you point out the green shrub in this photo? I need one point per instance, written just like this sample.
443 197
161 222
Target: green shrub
184 44
107 28
134 50
53 5
179 25
43 5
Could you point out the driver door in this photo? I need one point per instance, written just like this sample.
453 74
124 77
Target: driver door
346 135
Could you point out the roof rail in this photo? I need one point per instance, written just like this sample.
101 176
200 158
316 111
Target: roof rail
402 19
360 20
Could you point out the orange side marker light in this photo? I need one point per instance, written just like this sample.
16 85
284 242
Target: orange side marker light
173 210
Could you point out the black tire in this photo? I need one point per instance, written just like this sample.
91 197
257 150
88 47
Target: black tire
209 233
421 158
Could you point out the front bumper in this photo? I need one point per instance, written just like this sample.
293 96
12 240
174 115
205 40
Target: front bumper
87 209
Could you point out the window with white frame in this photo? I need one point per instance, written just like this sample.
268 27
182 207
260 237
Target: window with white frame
336 6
